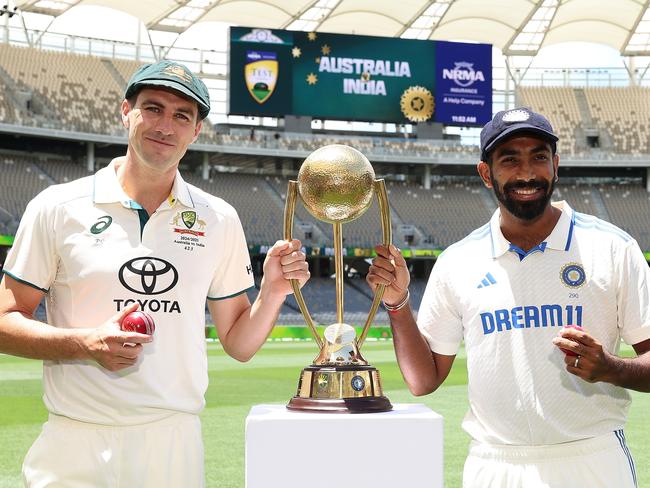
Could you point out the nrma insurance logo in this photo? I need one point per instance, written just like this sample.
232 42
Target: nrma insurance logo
463 74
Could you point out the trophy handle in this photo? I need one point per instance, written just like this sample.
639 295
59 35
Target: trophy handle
289 211
386 231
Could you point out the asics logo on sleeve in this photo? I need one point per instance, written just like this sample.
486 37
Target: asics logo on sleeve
101 225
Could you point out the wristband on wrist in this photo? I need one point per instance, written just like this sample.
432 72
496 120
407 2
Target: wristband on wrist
399 306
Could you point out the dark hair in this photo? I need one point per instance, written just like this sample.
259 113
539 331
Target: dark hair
131 100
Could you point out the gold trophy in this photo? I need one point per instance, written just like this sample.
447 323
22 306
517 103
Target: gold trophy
336 184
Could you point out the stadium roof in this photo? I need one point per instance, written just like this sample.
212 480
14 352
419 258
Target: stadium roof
517 27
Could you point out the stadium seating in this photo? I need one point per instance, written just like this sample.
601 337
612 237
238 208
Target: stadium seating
560 106
447 212
618 116
21 181
582 197
628 206
74 92
442 215
81 93
125 68
280 185
9 114
62 170
320 296
249 194
625 113
65 91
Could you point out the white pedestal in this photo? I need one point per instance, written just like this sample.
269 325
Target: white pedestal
401 448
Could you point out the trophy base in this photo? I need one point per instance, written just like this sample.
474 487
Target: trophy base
340 405
342 389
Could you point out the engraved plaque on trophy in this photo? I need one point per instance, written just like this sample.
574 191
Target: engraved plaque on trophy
336 184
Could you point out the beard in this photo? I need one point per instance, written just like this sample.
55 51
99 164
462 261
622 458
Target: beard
528 210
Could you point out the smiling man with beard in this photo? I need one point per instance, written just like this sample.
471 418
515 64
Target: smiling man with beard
547 402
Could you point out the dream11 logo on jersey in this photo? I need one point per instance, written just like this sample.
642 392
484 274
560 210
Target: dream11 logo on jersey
148 276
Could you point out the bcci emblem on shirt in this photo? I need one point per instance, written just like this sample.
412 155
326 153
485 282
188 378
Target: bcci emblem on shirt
573 275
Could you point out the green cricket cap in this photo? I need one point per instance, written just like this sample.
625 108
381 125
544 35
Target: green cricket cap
171 75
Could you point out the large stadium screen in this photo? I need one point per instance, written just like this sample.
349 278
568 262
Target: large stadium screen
346 77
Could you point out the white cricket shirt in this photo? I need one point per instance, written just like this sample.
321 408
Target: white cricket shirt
508 306
95 252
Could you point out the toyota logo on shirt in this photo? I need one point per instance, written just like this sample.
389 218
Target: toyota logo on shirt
148 276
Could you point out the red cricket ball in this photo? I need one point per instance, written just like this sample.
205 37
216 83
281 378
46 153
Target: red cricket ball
567 351
140 322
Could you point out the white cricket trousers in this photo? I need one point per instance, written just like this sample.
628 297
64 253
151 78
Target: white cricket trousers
71 454
598 462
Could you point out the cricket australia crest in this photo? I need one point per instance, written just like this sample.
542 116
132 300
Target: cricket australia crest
188 219
261 74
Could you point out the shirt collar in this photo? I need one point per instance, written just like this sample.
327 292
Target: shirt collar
107 189
180 192
559 239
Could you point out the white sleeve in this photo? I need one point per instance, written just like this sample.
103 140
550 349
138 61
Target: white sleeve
33 259
439 317
633 297
233 274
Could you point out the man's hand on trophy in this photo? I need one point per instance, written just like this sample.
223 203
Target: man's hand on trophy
389 269
285 261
